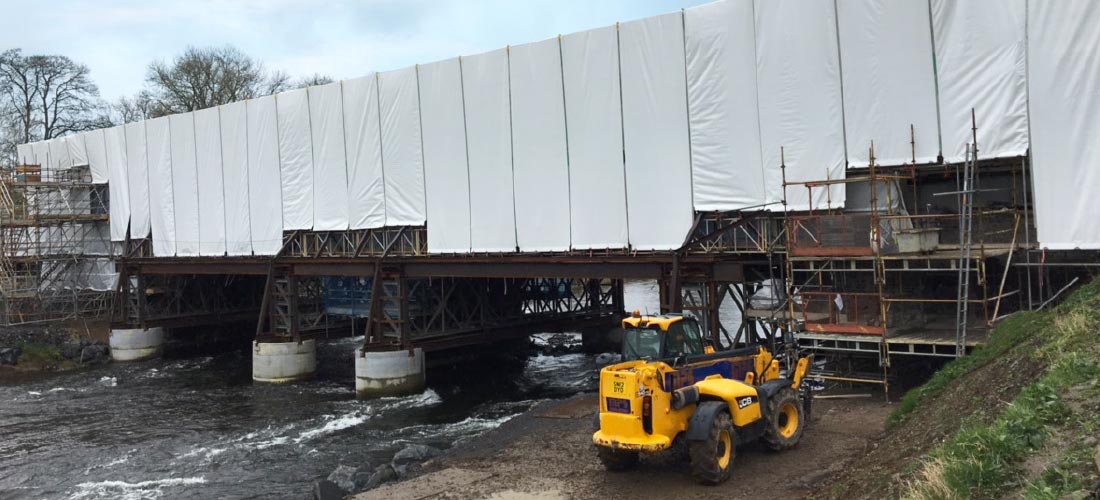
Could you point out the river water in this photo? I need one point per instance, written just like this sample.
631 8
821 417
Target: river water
199 428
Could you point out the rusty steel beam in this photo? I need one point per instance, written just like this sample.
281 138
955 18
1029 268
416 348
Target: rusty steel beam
645 266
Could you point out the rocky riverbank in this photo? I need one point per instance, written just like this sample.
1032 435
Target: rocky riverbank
52 347
547 454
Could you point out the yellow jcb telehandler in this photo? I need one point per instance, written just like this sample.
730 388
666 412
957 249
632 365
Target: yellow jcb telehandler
672 385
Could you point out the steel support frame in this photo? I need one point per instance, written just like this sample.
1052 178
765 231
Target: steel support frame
406 312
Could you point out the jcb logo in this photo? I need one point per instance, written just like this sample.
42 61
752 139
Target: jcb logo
744 402
618 387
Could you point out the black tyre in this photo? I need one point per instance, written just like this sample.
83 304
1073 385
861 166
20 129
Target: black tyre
712 458
785 420
617 460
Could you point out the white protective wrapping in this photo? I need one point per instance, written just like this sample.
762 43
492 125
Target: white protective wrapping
801 111
78 150
724 122
330 175
362 141
211 194
114 140
889 81
137 171
96 149
185 184
981 64
235 185
161 204
655 131
446 177
24 154
264 201
402 161
597 188
489 138
541 163
295 149
41 153
59 154
1064 78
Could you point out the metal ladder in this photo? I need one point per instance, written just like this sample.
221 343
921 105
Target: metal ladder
966 221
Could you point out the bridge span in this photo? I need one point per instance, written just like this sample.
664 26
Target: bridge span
408 303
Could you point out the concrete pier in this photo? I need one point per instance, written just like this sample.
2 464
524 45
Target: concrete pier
284 362
389 373
136 344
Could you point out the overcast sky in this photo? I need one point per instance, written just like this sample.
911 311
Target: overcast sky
338 38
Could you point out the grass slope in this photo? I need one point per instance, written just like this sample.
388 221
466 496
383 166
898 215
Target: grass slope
1018 418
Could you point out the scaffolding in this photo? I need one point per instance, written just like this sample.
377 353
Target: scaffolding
886 280
55 246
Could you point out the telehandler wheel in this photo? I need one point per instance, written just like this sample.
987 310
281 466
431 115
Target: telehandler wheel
618 460
712 458
785 420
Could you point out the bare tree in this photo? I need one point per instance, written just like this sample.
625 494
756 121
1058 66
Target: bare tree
204 77
43 97
315 79
20 93
67 97
127 110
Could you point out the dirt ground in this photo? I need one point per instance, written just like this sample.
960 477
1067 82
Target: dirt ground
547 454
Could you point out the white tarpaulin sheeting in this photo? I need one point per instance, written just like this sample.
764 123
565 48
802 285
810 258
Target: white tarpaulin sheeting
264 201
446 178
234 143
655 132
24 154
362 141
78 150
114 140
96 149
724 124
330 176
41 153
185 184
980 63
59 154
1064 88
211 197
801 111
161 205
295 159
138 180
541 163
889 81
402 162
489 138
590 67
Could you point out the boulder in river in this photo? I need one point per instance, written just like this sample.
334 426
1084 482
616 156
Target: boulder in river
413 454
95 353
344 477
85 351
383 473
362 479
327 490
9 355
72 348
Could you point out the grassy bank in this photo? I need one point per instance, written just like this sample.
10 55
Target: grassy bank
38 356
1043 443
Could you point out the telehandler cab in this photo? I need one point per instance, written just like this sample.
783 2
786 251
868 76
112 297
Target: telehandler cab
672 385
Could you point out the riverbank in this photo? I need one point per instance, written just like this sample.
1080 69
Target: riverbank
53 347
547 453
